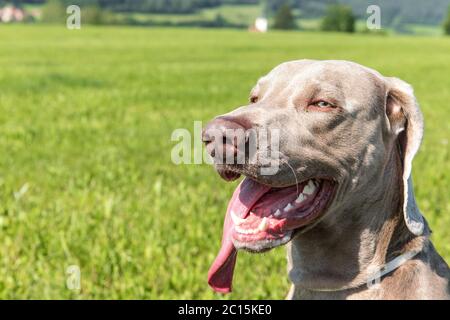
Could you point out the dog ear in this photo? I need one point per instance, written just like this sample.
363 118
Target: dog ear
406 123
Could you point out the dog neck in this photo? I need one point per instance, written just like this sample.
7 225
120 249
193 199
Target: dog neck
343 251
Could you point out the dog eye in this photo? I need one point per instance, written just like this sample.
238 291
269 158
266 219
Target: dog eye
323 104
253 99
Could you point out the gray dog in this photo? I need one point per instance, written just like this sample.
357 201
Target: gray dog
342 195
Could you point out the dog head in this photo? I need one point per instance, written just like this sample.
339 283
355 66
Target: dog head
314 135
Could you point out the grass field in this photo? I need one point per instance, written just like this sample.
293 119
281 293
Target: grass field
237 14
85 172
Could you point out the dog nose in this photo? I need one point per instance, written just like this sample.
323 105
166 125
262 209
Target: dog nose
224 139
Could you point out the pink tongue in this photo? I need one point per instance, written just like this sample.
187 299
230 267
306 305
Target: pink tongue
220 275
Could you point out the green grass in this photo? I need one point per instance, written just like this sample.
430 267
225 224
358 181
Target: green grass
236 14
85 173
309 24
425 30
172 18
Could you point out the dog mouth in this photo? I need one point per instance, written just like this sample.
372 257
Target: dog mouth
272 218
261 217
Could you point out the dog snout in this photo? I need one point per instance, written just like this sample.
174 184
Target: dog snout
225 139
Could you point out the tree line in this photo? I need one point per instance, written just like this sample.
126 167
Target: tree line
394 13
151 6
337 15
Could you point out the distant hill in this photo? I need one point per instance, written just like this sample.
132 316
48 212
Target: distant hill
148 6
394 13
404 11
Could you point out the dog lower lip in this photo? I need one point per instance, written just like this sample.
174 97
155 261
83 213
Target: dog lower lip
228 175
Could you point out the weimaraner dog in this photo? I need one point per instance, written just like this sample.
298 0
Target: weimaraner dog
341 197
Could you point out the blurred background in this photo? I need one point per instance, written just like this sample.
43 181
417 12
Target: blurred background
402 16
91 204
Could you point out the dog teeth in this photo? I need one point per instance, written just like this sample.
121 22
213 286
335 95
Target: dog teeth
263 225
277 213
309 188
288 207
246 231
236 220
300 198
